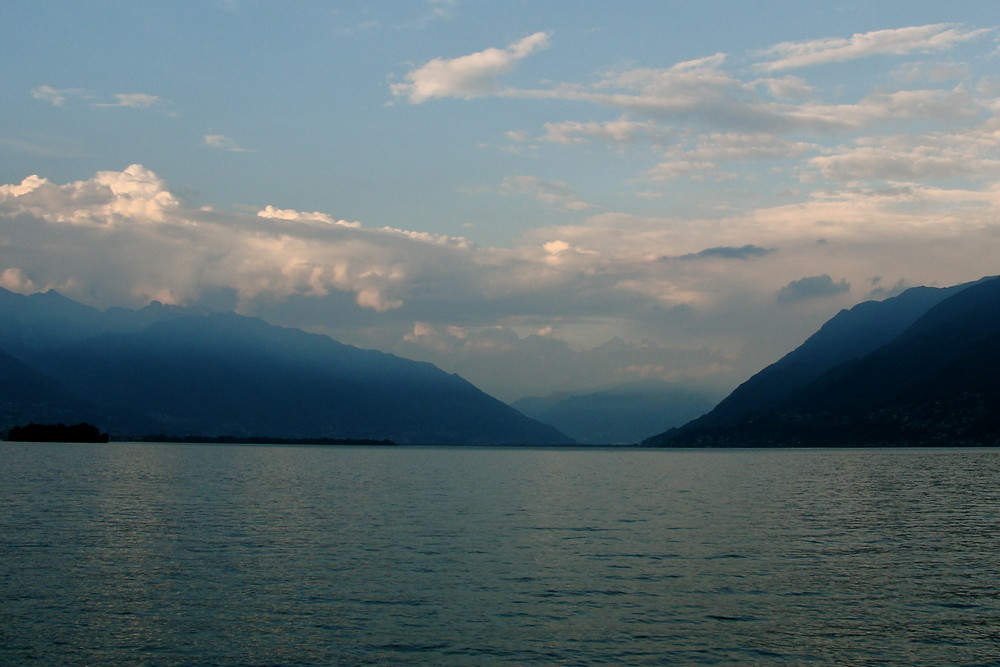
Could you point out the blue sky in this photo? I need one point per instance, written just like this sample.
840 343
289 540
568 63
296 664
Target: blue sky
540 196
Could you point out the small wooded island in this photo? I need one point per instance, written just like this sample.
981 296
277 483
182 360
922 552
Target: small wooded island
82 432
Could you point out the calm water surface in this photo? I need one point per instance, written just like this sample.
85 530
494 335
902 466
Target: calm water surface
253 555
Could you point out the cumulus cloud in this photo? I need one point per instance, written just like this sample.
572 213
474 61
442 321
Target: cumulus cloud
898 41
291 214
469 76
110 198
545 312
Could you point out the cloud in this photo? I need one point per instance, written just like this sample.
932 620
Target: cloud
132 101
898 41
868 162
469 76
787 87
223 142
14 280
969 154
697 90
110 198
663 104
812 287
700 155
56 96
507 360
291 214
556 194
59 96
623 133
726 252
710 319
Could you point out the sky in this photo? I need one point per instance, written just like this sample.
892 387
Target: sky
538 196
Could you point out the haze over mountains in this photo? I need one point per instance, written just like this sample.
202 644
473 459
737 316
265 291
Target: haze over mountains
172 371
922 368
624 414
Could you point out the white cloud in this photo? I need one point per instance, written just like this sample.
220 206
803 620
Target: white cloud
111 197
291 214
898 41
469 76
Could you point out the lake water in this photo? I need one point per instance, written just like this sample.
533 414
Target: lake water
256 555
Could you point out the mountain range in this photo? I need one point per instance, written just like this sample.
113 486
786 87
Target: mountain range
179 372
921 368
623 414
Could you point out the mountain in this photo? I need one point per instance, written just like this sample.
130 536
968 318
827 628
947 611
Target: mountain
178 372
27 395
620 415
936 382
47 320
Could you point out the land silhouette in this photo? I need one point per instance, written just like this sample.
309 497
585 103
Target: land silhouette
919 369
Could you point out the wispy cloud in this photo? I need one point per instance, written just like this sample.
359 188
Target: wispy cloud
223 142
473 75
56 96
727 252
60 96
555 194
898 41
132 100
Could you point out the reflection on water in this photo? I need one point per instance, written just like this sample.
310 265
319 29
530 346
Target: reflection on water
180 554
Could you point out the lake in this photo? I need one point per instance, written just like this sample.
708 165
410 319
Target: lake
164 554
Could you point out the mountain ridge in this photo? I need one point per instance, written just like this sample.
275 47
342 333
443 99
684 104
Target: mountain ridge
169 370
935 383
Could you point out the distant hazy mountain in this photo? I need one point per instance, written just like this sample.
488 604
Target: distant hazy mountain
621 415
922 368
177 372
